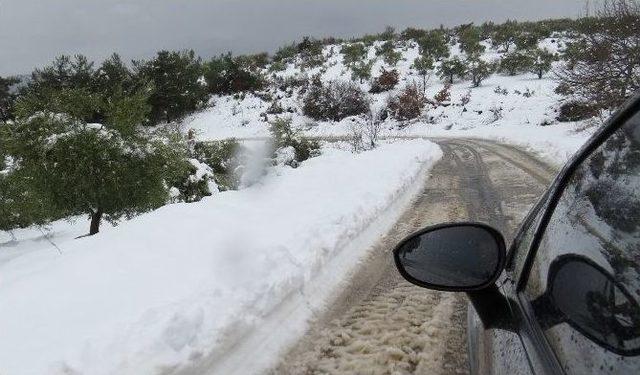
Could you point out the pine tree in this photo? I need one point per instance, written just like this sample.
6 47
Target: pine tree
7 97
177 88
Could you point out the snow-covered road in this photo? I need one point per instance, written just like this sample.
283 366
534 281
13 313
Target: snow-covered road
382 324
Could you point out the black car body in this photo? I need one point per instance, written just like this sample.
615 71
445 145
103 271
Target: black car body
565 297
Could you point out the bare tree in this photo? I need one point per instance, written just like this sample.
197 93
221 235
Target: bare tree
372 128
603 64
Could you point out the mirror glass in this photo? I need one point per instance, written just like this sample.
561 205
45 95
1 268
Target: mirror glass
592 302
457 256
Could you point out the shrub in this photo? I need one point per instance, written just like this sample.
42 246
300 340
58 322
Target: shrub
407 105
576 111
286 139
443 97
387 80
361 71
193 184
334 101
286 53
388 53
353 53
223 157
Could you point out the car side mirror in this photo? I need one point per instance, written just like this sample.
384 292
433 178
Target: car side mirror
590 299
459 257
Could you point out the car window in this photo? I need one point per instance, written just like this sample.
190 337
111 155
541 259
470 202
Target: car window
520 248
584 284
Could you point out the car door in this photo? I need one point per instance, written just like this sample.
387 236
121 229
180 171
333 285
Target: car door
573 277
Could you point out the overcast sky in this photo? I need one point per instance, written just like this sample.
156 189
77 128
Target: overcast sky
33 32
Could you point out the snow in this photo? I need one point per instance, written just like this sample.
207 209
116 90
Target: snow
189 281
529 103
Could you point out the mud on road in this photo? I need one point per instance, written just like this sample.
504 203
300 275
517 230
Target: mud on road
384 325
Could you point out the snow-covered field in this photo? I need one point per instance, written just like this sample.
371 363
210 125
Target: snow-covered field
189 280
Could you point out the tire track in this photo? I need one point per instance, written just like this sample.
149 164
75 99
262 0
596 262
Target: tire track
384 325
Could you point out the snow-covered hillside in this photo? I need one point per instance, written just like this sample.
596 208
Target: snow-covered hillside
518 109
189 280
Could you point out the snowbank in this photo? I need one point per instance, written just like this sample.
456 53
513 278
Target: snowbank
187 281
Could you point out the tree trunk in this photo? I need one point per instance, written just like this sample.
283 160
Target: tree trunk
424 84
95 222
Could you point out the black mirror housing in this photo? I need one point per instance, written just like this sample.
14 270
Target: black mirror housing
455 257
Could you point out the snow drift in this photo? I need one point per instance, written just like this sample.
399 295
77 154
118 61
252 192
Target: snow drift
187 280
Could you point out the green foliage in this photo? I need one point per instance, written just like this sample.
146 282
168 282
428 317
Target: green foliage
516 62
228 75
65 72
353 53
286 53
334 101
70 166
504 35
388 53
413 33
541 62
7 98
20 206
285 136
479 70
470 37
361 71
423 65
310 52
451 68
434 44
177 89
527 40
219 155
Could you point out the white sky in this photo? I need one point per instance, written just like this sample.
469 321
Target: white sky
33 32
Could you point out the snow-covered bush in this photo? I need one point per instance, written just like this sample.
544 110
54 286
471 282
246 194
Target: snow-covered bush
224 157
196 183
290 148
334 101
